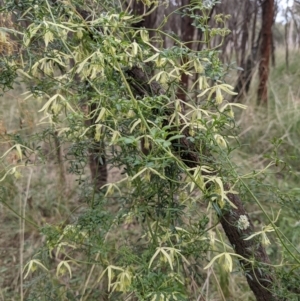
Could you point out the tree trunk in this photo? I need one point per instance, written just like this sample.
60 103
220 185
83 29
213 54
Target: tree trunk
97 160
265 50
258 275
187 34
245 32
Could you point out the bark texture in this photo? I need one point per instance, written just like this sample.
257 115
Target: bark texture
265 50
259 276
97 158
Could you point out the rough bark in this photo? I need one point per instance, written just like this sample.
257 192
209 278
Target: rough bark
139 9
273 42
245 31
97 160
253 33
245 76
266 44
259 276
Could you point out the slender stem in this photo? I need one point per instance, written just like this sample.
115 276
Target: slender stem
22 231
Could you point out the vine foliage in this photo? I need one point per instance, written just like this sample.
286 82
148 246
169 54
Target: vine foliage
103 84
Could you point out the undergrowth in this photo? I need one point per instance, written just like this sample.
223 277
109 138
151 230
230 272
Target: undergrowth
151 233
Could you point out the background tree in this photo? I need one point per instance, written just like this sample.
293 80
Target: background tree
266 48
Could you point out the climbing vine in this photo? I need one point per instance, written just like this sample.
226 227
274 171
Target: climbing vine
107 90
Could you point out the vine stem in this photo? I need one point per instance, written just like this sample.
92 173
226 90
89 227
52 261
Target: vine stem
22 231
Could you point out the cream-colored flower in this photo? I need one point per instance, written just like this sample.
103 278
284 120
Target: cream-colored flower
243 222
